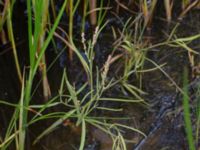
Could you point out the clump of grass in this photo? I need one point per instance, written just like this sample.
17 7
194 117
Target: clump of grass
147 8
133 48
81 107
81 102
19 122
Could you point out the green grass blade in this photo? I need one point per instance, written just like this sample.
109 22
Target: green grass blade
83 135
50 35
54 125
187 118
31 51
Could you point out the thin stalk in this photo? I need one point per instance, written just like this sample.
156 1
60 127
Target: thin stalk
21 117
31 50
42 66
93 14
11 37
148 10
71 28
53 9
3 38
168 9
197 114
187 117
85 5
188 8
185 3
83 135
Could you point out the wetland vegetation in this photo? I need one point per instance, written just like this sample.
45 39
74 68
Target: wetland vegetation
99 74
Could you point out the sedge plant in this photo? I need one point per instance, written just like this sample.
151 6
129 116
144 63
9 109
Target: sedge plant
82 107
19 122
134 50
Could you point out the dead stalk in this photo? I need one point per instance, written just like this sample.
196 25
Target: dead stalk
42 66
188 8
93 14
3 38
168 9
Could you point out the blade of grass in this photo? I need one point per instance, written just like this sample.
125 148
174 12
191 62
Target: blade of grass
11 37
186 109
54 125
83 135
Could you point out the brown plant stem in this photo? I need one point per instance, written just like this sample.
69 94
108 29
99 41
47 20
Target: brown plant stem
42 65
93 14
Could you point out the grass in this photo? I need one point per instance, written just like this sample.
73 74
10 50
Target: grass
191 123
168 8
81 102
42 66
21 112
148 10
187 114
7 18
81 109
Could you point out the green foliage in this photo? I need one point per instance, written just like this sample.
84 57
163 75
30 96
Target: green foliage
82 102
186 106
189 127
